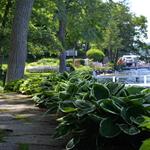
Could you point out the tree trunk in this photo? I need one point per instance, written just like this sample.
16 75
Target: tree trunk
18 49
110 54
62 56
62 62
115 58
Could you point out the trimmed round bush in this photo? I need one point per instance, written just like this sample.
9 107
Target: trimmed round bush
95 54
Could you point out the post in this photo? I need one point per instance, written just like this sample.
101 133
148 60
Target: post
114 79
145 79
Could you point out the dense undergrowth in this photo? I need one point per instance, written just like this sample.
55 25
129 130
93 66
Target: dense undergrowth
92 115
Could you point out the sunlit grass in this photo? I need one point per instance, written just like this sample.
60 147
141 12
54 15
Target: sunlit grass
22 117
44 62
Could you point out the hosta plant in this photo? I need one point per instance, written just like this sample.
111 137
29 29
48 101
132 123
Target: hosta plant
94 113
58 87
94 116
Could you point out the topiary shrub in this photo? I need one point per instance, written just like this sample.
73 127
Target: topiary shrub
95 54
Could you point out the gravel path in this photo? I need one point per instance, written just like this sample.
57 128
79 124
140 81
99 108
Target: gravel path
24 126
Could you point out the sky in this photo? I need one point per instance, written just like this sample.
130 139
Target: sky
141 7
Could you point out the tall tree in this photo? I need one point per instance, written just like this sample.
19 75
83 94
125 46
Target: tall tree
78 20
62 19
18 49
123 32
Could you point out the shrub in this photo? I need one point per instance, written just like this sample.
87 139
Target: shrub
13 86
95 54
30 85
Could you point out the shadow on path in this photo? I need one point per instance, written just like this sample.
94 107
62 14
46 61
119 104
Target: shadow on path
24 127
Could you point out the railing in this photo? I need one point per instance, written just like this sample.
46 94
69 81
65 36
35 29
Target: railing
115 78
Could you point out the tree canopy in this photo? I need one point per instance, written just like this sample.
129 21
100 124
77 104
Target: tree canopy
56 26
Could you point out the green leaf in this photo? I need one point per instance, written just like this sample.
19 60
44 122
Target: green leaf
67 107
112 86
116 88
81 104
145 145
72 143
125 115
136 110
145 91
72 88
84 107
107 105
147 98
118 102
146 123
108 128
100 91
130 130
138 101
136 96
138 120
95 117
62 130
132 90
63 95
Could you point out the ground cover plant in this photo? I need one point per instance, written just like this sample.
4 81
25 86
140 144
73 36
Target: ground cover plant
29 85
45 61
107 116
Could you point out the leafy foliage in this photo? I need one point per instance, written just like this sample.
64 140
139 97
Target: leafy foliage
91 112
25 86
95 112
95 54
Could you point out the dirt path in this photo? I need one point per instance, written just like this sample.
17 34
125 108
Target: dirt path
24 127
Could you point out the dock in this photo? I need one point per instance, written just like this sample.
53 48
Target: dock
115 78
138 67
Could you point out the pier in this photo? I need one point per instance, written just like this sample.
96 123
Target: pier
115 78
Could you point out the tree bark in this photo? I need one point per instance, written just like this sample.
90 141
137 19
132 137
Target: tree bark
115 58
62 56
62 62
110 54
18 49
